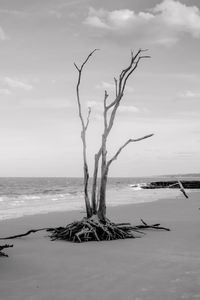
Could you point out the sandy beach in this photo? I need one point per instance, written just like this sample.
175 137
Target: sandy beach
159 266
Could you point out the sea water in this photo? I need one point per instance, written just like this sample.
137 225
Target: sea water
29 196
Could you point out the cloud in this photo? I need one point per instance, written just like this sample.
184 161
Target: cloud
3 36
122 109
106 86
189 94
4 91
55 13
111 87
117 22
117 19
11 12
15 83
163 24
179 16
128 109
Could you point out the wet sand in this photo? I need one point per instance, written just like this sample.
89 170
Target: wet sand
159 266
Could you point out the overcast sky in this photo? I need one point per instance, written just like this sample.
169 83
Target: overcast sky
39 125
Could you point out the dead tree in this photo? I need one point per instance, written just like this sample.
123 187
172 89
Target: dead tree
95 226
109 114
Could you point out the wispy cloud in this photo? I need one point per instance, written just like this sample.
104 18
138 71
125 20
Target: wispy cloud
4 91
12 12
111 87
3 35
163 24
122 109
128 109
189 94
15 83
105 86
55 13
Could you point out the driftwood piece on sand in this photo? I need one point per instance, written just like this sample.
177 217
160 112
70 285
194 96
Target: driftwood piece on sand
3 247
26 233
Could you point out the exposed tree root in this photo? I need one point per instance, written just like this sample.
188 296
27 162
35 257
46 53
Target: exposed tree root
3 247
93 229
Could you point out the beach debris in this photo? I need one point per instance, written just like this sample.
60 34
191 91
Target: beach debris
3 247
93 229
169 184
172 184
26 233
182 189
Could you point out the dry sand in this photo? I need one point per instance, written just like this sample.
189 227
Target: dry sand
159 266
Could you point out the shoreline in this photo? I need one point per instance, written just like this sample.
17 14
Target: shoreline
122 212
160 265
126 196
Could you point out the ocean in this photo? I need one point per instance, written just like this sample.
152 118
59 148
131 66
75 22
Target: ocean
29 196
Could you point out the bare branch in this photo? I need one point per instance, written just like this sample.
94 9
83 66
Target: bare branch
114 102
133 58
132 69
125 74
83 134
105 110
116 89
105 98
77 67
124 145
78 84
86 60
88 118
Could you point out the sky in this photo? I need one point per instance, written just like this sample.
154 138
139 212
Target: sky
39 124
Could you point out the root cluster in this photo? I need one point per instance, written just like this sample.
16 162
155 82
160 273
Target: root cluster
3 247
93 229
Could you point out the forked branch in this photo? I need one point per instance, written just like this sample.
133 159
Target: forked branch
124 145
120 86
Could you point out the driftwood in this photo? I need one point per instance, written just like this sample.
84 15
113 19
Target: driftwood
27 233
173 184
3 247
93 229
182 189
179 183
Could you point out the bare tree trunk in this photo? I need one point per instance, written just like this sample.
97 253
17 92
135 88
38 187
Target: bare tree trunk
101 153
85 165
83 136
102 202
94 183
86 179
104 175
